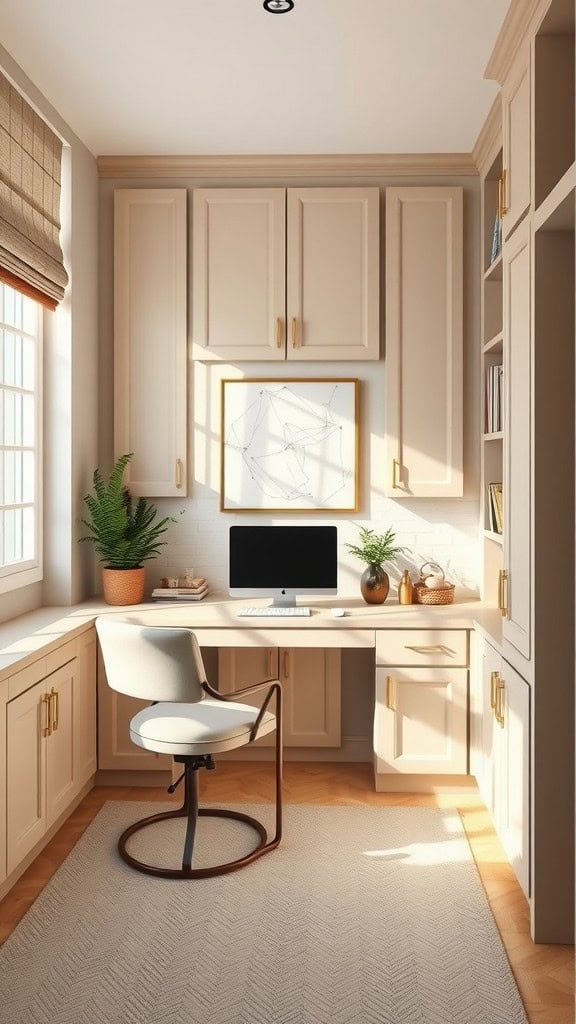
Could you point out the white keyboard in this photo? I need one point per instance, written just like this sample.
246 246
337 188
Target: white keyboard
276 610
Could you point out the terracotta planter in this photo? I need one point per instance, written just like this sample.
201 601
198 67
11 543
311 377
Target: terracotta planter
374 584
123 586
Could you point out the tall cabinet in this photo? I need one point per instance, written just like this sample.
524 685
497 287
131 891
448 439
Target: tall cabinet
528 175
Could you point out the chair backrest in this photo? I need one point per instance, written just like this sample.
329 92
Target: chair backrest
151 662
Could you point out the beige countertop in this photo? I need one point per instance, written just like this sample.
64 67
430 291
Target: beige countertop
27 638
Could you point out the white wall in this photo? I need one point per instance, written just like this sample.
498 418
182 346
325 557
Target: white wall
444 530
70 369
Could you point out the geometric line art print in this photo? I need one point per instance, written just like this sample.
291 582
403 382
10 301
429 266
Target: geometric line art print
289 444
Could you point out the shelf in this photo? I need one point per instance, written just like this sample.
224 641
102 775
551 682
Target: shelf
497 538
494 272
556 212
498 435
494 345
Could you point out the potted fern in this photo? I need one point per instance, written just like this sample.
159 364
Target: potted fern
125 534
375 549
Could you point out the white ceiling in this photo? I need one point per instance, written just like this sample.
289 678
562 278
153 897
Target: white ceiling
224 76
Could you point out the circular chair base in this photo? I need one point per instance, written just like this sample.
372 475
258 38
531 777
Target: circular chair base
188 872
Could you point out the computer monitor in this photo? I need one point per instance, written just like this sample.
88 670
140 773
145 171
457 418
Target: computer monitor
283 561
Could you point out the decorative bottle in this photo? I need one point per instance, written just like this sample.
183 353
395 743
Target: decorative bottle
405 588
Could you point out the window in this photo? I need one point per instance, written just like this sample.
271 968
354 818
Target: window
20 439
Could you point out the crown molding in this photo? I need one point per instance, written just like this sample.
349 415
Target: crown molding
489 138
340 165
522 18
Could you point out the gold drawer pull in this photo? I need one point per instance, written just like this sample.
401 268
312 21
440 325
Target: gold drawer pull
499 709
295 333
493 678
179 474
279 332
286 664
428 648
390 694
502 194
503 591
45 701
396 467
54 708
270 662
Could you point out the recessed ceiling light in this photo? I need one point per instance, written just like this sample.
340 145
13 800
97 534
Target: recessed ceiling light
278 6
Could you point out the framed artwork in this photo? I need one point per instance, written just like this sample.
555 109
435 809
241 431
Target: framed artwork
289 445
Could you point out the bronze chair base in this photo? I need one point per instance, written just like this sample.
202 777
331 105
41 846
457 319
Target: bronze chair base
191 811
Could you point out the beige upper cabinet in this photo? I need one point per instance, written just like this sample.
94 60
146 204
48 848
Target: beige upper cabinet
517 151
423 342
286 274
150 338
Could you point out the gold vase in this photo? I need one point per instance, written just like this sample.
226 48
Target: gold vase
123 586
374 584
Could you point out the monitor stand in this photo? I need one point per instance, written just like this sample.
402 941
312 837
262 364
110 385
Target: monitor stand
284 601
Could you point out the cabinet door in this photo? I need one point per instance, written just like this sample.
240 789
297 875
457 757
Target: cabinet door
332 273
517 150
26 719
246 666
420 720
512 805
485 719
239 298
150 340
85 753
59 747
115 748
311 684
517 441
423 343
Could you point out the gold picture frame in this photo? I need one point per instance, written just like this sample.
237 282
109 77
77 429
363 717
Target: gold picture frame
289 444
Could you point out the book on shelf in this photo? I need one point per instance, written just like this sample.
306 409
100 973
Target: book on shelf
180 593
495 508
493 395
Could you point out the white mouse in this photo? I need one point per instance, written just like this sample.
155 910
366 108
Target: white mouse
336 613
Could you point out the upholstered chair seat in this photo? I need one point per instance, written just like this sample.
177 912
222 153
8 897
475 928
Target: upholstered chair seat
208 727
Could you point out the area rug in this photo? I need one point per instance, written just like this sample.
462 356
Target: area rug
363 915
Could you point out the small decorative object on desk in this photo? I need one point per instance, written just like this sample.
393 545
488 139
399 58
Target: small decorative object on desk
405 589
432 587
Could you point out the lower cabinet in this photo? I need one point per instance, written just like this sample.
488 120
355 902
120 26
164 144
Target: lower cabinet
420 717
50 743
420 720
502 706
115 748
310 678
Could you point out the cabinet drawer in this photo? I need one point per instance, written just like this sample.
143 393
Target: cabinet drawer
422 647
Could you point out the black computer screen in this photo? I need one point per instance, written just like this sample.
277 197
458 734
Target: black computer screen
292 558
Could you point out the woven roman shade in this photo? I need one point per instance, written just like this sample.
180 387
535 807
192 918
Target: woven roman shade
31 258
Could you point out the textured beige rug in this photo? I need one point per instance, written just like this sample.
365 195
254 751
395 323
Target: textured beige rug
362 916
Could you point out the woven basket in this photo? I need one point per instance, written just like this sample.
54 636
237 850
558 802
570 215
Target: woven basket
428 595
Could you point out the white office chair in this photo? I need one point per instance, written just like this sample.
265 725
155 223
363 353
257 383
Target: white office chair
189 720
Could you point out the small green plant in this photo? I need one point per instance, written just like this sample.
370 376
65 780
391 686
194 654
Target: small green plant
125 533
375 548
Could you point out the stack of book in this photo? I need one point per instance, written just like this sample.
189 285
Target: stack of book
493 395
195 592
495 507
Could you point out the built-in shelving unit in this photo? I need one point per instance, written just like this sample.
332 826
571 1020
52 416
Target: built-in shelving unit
492 355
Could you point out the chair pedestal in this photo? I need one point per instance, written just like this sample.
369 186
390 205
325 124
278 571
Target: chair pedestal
191 811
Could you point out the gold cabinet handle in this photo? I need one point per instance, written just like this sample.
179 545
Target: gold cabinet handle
279 332
493 679
396 466
428 648
502 194
179 472
390 694
295 332
270 662
499 709
45 701
503 591
54 708
286 664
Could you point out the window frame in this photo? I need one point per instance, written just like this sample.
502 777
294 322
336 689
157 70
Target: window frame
15 575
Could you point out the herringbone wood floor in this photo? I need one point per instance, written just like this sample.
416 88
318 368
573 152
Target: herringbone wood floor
544 974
